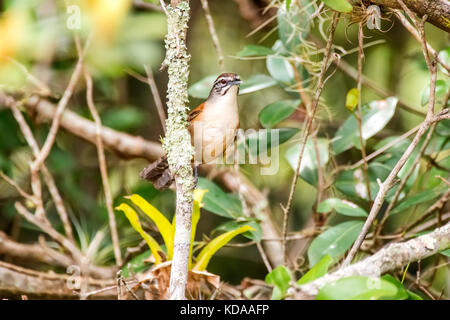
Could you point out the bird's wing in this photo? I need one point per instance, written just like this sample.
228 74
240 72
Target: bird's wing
194 113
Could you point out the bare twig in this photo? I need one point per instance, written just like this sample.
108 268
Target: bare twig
213 33
388 183
305 136
359 116
103 168
156 98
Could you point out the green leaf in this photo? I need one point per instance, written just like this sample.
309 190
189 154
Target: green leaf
280 277
344 207
124 119
136 264
280 69
418 198
339 5
308 168
254 50
375 117
255 83
319 270
218 242
276 112
352 182
363 288
254 235
334 241
218 202
445 56
294 24
446 252
442 87
202 88
351 101
261 141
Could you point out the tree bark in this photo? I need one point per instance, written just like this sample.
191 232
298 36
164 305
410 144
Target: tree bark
438 11
177 142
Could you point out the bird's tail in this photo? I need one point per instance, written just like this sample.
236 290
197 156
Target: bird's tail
158 173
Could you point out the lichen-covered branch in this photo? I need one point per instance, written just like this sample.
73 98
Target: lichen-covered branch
177 142
390 258
438 11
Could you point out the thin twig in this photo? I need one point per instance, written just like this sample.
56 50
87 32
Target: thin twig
156 97
389 182
103 168
359 117
404 181
314 105
48 144
213 33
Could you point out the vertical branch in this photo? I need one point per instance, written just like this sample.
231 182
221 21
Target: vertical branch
214 37
177 142
359 117
103 169
314 104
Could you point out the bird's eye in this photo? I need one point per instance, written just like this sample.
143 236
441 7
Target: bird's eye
223 81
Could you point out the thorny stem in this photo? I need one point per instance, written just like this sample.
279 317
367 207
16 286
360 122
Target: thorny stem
314 105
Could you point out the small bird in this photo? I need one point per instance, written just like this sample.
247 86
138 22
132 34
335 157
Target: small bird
212 126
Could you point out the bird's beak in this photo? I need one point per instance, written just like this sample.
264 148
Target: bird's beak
237 82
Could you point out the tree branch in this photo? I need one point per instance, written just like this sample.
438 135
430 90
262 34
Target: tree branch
438 11
392 257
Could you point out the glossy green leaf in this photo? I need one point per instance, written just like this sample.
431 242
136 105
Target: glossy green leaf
352 182
254 51
339 5
255 83
217 201
418 198
446 253
308 168
202 88
261 141
442 87
344 207
280 69
276 112
196 205
375 117
362 288
335 241
212 247
319 270
280 277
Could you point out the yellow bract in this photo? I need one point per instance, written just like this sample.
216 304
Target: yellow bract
167 230
164 226
217 243
132 216
352 99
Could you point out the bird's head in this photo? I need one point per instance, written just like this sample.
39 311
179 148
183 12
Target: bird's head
224 83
